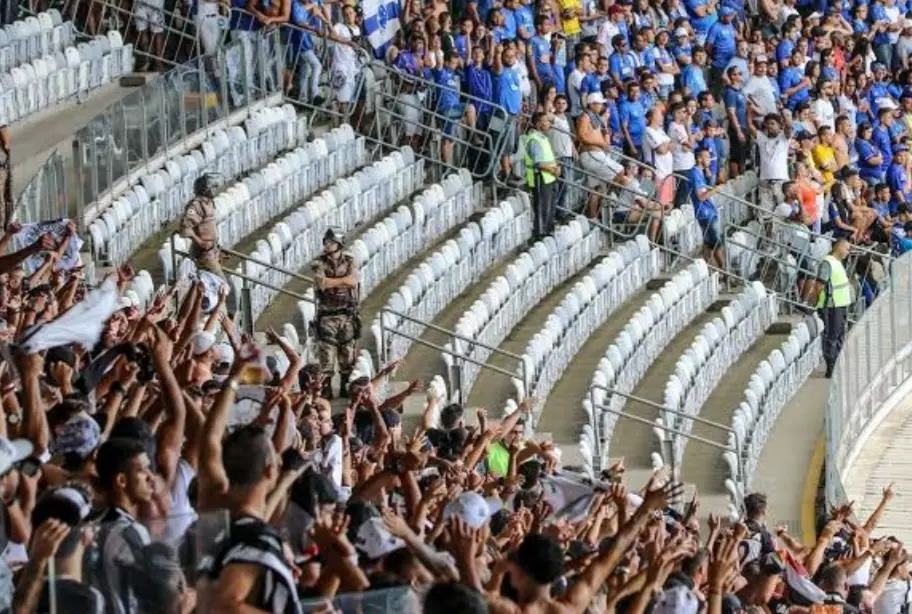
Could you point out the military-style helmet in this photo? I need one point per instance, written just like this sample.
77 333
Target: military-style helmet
206 185
336 234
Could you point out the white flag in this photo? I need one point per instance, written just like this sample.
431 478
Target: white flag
31 233
82 324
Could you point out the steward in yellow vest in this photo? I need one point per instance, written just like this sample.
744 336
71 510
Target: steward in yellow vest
542 171
834 297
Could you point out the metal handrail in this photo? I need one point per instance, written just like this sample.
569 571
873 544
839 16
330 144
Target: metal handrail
267 265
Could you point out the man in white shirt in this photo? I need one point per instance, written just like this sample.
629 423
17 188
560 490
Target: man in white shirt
345 69
759 91
773 144
822 107
682 149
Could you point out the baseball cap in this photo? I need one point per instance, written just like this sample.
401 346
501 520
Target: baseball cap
814 15
886 103
878 66
760 59
203 342
677 600
226 353
726 11
595 98
472 508
79 436
900 147
681 32
11 452
375 541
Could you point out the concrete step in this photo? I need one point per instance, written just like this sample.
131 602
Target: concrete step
633 440
492 389
703 465
563 413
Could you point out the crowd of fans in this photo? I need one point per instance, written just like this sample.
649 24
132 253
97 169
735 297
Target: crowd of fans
128 484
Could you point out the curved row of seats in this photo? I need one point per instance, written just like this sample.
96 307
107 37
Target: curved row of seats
43 82
446 273
584 309
160 197
298 238
666 313
31 38
771 387
716 347
527 280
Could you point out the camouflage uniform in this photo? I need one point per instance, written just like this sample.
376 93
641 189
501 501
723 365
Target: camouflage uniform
199 217
337 325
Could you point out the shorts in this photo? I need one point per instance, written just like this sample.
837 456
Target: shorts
620 217
712 233
738 152
600 167
344 85
148 16
453 119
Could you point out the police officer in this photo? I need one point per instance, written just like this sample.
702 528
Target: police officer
198 225
542 171
337 325
834 295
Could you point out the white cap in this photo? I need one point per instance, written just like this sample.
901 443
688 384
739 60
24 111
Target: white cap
677 600
596 98
226 352
681 32
814 15
203 342
374 540
472 508
11 452
886 103
783 210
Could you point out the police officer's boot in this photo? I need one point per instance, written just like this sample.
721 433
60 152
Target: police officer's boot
327 391
344 376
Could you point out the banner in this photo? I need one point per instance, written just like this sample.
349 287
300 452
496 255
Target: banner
31 232
381 23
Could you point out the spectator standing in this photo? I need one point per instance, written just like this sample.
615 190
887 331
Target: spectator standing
707 212
738 136
832 295
682 150
542 170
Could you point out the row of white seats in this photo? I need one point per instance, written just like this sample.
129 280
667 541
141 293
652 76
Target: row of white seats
44 82
298 239
410 230
645 336
450 270
247 205
772 385
434 212
161 196
28 39
716 347
527 280
732 195
584 309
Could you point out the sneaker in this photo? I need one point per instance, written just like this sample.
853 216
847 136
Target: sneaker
318 101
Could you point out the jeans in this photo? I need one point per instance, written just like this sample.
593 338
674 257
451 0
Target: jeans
309 70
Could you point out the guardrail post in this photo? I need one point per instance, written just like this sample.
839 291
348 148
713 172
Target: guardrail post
247 307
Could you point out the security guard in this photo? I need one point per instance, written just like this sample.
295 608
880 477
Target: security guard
542 171
198 225
834 295
337 325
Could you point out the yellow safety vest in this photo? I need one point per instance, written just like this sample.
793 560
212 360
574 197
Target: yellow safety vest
547 155
838 288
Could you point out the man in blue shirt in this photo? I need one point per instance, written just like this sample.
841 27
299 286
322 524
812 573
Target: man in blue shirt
721 46
623 62
702 17
682 49
449 105
633 121
693 77
508 94
736 108
540 69
525 20
881 137
898 180
705 209
793 83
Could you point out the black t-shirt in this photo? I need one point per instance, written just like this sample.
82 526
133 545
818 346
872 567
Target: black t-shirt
71 597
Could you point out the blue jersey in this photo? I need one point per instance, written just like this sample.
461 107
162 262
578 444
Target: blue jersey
734 99
540 49
701 25
507 90
784 50
524 19
509 23
622 65
447 88
634 115
479 85
692 77
897 179
790 77
881 140
722 38
705 210
867 169
709 143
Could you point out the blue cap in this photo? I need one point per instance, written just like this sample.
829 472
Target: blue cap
726 11
900 147
878 66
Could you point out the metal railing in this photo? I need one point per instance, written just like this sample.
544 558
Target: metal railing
164 119
45 196
876 358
